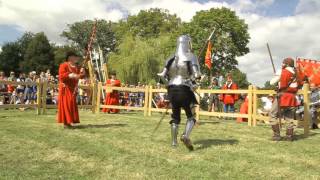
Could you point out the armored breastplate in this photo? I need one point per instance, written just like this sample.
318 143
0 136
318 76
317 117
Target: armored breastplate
179 73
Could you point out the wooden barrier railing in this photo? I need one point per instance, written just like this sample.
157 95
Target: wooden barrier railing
36 105
97 89
144 90
40 103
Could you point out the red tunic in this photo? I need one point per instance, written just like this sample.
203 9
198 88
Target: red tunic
67 104
289 88
243 110
229 98
113 97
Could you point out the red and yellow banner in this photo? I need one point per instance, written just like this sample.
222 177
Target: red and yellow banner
310 69
208 56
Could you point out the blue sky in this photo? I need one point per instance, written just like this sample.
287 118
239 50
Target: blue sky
289 26
9 33
277 8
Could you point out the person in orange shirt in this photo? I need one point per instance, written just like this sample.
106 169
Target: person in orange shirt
229 99
69 75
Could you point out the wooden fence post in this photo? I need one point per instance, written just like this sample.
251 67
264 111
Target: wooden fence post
197 110
250 105
39 92
44 97
146 98
94 96
306 102
150 100
255 105
98 101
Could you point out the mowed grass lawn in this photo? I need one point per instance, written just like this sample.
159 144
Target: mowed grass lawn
108 146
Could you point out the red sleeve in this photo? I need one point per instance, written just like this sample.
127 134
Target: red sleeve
285 79
117 83
63 72
108 82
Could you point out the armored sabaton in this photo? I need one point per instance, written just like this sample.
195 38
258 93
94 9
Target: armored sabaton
181 72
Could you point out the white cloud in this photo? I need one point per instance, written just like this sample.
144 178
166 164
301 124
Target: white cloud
308 7
295 35
51 16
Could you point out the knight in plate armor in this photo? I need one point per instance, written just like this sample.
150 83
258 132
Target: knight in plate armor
181 72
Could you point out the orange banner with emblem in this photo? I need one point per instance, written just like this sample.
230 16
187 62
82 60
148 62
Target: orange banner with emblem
310 69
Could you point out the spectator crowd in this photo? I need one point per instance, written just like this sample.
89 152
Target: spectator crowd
27 94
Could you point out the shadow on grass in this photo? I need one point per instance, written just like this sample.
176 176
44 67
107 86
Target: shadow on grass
206 143
208 122
302 136
87 126
121 112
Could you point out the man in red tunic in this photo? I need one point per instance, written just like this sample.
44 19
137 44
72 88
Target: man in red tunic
286 101
69 75
112 98
229 99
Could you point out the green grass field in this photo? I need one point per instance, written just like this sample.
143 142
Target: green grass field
107 146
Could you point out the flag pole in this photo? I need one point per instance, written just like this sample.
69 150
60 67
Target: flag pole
205 44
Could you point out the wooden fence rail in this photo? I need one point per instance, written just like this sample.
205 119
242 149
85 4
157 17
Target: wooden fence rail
97 89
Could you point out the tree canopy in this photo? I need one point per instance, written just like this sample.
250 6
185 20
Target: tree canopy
151 23
79 34
39 54
9 57
230 38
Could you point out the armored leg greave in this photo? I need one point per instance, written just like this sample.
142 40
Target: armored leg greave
185 136
189 126
174 134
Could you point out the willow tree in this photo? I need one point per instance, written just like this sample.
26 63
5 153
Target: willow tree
139 60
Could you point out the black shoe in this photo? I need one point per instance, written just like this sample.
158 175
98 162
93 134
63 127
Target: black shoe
187 142
276 133
68 126
276 138
315 126
290 134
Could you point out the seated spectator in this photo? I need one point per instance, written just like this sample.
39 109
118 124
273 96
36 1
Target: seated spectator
161 98
20 88
3 87
11 88
28 92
